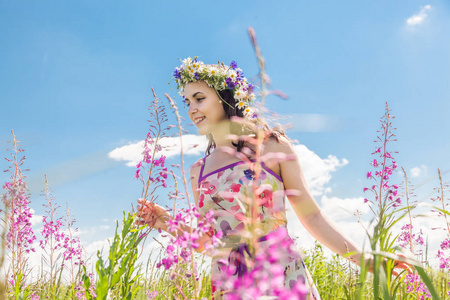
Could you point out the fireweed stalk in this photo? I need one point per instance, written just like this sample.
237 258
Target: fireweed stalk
59 248
443 253
387 212
151 146
52 243
20 235
73 253
383 207
409 239
117 277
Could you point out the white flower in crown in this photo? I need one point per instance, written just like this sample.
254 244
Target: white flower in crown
251 97
190 70
186 62
248 112
196 66
232 74
212 71
239 94
240 104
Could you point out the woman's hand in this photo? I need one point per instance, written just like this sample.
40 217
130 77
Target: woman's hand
152 214
398 264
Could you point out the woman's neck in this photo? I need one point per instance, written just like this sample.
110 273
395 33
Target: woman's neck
222 135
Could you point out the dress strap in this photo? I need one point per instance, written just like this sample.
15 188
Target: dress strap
201 171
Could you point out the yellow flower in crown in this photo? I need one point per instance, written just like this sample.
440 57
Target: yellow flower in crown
212 71
248 112
240 104
220 77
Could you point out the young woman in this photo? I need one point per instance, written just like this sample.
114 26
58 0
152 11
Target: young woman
220 181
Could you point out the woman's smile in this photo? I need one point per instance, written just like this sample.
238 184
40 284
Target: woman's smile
198 120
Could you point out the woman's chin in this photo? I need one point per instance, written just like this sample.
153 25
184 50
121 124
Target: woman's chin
202 131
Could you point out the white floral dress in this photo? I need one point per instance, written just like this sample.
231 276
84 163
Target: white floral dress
221 190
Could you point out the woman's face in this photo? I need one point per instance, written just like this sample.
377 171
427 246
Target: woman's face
205 108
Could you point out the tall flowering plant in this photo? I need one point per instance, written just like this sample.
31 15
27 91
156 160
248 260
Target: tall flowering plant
408 238
61 249
387 210
151 171
443 253
73 253
17 223
412 240
117 276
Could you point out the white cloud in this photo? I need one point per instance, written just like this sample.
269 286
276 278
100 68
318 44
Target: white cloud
35 219
339 209
317 171
132 153
90 250
418 171
420 17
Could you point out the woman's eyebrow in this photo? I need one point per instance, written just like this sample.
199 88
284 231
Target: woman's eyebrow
197 94
193 96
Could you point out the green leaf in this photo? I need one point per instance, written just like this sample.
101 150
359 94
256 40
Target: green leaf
427 282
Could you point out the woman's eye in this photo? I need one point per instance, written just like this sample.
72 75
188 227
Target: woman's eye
200 99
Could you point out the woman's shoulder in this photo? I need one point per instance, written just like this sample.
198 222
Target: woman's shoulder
196 166
194 171
278 144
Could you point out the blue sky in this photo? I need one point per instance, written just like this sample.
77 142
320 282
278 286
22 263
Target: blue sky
76 78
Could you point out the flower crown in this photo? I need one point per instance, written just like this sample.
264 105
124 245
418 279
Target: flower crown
219 77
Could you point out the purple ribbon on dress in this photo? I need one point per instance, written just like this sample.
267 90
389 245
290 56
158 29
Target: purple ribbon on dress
237 256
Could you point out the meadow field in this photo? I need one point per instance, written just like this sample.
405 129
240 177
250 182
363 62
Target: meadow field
179 272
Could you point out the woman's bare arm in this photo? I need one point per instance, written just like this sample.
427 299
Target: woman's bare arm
306 208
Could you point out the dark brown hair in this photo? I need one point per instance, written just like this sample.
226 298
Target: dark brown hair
229 106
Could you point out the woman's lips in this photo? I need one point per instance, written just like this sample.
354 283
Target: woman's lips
198 122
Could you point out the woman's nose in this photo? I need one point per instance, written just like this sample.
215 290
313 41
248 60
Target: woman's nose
192 109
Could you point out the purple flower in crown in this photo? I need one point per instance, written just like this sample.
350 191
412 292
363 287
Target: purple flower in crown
196 75
230 83
250 88
233 65
239 75
177 73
